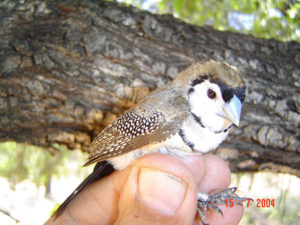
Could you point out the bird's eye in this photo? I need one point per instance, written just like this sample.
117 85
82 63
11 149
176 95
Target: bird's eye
211 94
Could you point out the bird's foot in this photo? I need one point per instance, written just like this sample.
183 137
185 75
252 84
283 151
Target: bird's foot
226 197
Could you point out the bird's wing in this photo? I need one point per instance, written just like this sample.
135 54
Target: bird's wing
143 125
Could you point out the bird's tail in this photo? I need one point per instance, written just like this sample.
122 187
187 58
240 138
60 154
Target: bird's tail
101 170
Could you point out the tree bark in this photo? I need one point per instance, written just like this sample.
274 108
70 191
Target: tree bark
69 68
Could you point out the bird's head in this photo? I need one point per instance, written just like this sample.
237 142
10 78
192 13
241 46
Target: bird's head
215 92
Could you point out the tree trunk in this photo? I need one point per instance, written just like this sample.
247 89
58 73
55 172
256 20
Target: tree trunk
69 68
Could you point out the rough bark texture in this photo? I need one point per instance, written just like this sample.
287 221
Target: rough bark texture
68 68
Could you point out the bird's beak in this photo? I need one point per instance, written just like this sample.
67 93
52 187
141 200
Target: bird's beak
232 110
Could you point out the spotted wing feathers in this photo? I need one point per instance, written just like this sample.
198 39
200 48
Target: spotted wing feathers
137 128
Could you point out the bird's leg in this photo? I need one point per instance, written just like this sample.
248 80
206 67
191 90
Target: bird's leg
226 197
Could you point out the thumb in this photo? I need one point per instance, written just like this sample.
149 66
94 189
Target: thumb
159 190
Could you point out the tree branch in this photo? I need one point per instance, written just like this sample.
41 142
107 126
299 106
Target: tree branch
69 68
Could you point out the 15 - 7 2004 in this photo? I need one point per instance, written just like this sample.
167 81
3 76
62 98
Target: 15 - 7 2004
260 203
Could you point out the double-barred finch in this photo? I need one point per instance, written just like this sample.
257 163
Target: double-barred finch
193 113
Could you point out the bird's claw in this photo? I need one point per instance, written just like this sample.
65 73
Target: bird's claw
225 197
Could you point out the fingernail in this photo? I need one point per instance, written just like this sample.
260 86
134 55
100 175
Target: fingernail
161 191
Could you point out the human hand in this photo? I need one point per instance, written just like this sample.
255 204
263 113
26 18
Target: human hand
155 189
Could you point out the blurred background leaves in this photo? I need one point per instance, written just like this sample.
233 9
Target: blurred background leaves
21 162
278 19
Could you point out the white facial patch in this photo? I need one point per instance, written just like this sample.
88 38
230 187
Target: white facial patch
205 108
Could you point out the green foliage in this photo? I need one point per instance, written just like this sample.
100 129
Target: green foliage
20 162
264 186
283 213
279 19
